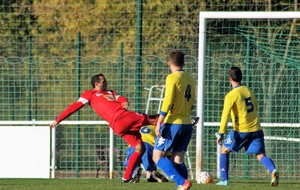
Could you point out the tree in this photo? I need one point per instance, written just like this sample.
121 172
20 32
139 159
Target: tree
16 21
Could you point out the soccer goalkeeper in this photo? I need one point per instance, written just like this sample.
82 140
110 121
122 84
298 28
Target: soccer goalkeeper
123 122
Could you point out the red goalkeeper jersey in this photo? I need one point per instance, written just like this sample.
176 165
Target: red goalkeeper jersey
104 103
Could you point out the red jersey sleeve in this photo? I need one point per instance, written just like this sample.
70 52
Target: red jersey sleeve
84 99
69 111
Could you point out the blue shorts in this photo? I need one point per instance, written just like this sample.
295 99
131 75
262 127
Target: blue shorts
147 160
253 142
174 137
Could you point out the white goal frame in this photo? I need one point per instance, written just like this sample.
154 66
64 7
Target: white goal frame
203 16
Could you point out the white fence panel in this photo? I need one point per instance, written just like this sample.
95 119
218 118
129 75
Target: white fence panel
25 152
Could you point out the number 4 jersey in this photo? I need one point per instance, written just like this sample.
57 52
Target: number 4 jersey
179 98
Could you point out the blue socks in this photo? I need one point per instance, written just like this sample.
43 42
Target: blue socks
181 168
268 163
168 168
224 164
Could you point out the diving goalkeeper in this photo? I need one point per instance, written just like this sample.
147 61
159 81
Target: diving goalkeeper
123 122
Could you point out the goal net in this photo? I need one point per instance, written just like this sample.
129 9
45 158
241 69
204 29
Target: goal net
265 45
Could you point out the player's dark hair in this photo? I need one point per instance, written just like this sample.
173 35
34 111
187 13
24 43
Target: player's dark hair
177 58
95 79
236 74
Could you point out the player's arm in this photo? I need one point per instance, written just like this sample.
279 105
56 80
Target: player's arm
224 119
169 96
167 103
69 111
159 122
123 101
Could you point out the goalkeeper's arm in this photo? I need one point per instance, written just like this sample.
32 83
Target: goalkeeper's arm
69 111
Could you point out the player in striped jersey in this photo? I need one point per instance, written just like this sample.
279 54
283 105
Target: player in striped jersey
241 104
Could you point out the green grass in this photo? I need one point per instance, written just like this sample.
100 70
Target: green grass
115 184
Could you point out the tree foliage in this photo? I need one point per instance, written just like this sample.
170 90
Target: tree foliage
16 22
104 24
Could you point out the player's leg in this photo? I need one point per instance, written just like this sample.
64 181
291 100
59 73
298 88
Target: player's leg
257 146
274 178
168 142
224 165
129 152
167 167
268 163
152 174
148 162
136 174
127 126
133 138
159 176
178 159
180 148
179 151
233 143
130 121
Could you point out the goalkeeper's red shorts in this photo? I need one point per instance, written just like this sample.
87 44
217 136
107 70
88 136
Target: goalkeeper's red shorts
128 124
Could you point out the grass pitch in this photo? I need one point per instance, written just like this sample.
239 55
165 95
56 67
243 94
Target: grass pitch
115 184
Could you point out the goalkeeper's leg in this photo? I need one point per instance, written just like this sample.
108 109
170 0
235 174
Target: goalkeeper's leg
134 160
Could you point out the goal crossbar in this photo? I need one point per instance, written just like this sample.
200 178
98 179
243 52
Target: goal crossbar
257 15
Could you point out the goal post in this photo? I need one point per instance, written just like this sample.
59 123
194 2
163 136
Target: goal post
202 54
